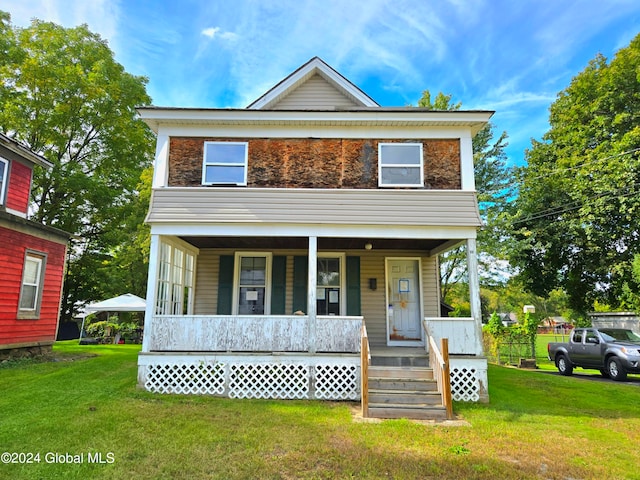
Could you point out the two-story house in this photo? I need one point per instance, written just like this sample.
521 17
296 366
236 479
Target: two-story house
32 260
278 231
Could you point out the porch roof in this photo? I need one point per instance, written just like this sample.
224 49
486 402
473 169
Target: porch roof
302 243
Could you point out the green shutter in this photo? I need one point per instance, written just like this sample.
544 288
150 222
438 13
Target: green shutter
353 286
300 278
225 285
278 284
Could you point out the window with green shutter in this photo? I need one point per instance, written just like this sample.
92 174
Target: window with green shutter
225 285
300 277
278 285
353 286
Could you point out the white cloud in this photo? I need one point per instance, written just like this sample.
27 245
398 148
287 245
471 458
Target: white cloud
102 16
213 32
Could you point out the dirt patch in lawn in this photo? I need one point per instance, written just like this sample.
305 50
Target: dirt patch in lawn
45 358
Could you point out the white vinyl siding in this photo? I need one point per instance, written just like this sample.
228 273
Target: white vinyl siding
372 301
206 297
315 93
225 163
400 165
230 205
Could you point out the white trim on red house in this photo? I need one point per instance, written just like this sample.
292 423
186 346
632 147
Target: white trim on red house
23 152
4 177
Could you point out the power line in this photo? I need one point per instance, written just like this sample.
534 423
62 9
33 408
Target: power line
576 205
558 170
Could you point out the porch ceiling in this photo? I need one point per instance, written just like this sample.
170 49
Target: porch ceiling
301 243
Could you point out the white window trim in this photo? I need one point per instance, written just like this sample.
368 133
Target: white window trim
236 280
206 164
401 165
341 256
3 179
41 259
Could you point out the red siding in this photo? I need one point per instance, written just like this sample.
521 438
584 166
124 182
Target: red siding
14 330
18 187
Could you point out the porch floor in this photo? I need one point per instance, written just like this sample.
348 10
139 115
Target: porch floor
399 356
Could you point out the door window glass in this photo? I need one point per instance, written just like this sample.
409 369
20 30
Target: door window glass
329 286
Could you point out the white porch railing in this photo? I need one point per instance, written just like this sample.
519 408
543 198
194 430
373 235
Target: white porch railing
222 333
467 367
461 332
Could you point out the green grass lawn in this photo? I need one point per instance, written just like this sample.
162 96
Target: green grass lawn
537 426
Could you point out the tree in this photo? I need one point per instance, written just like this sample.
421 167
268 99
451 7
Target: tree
577 211
64 96
493 180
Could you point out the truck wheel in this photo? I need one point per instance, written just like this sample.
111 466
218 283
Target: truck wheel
564 365
615 369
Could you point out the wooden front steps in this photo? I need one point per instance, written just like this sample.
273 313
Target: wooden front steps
404 392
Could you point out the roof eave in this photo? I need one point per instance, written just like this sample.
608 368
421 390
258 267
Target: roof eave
24 152
156 116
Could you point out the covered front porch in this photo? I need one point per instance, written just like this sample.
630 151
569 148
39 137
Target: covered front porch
282 317
269 357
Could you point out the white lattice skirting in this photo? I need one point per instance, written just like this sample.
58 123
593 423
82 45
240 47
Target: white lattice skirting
328 381
469 379
464 384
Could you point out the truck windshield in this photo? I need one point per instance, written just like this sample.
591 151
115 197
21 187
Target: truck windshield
619 334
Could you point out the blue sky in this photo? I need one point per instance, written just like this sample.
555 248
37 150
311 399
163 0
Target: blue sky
511 56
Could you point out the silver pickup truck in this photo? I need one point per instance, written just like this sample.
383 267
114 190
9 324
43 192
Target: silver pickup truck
613 351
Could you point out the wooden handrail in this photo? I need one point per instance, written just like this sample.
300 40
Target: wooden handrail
446 379
439 362
365 360
436 351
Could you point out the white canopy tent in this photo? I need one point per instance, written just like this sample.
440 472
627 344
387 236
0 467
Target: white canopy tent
123 303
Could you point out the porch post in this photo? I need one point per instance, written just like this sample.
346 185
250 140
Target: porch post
152 282
474 291
312 292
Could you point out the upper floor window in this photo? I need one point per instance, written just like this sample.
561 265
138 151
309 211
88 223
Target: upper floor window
225 163
4 173
32 281
400 165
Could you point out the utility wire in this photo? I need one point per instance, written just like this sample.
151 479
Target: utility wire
577 204
558 170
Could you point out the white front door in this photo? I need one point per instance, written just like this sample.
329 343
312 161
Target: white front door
404 310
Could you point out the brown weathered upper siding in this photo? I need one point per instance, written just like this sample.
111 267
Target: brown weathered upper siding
314 163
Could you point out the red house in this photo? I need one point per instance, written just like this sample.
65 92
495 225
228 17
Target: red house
32 260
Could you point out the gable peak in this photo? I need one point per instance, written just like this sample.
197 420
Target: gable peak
315 66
